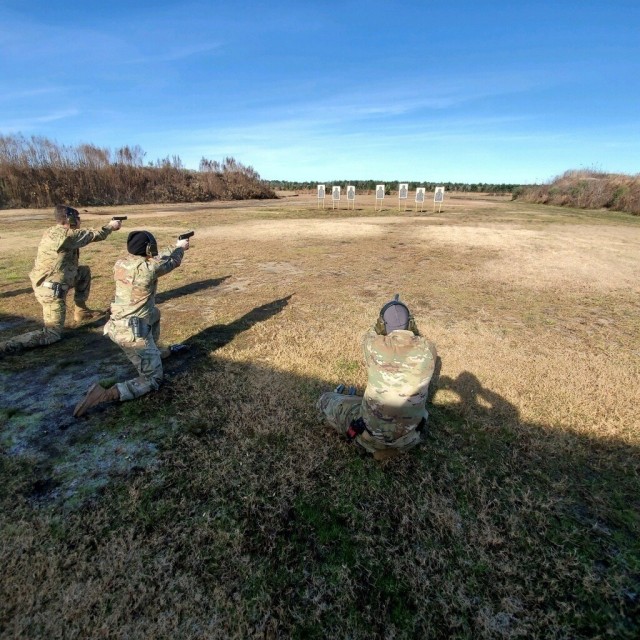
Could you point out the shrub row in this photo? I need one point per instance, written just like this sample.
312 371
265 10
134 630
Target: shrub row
587 190
36 172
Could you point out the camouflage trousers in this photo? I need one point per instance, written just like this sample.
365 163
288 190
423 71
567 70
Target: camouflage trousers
340 410
143 353
54 313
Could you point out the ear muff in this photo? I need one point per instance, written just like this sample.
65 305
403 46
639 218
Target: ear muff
152 245
73 217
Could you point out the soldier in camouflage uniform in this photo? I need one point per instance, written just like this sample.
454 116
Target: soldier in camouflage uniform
134 324
391 416
55 272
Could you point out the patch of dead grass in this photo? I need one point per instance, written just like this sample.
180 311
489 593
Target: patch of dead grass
517 517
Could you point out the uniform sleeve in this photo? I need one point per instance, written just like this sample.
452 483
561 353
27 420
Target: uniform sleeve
430 355
367 341
77 238
168 262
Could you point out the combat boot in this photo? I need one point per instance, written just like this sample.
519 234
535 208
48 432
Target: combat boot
96 395
82 313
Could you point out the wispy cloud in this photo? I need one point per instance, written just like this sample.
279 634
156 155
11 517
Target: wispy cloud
13 96
178 53
31 123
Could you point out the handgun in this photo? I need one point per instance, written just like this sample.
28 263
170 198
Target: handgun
185 236
119 218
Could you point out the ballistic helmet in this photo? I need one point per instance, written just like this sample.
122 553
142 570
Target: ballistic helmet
142 243
394 315
65 213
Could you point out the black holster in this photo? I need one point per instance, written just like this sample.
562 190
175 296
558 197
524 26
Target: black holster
139 327
356 427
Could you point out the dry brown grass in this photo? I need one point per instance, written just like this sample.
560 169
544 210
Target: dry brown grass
588 189
518 517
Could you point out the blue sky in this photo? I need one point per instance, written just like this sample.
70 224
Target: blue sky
494 91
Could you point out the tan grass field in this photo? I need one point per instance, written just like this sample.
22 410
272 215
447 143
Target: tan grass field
220 507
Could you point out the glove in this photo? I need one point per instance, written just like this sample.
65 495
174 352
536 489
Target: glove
379 326
413 326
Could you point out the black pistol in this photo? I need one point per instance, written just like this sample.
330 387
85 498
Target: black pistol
119 218
185 236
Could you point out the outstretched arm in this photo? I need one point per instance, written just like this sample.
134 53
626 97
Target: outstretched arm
169 261
77 238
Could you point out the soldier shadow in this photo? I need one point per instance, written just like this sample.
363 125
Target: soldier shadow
202 344
477 400
477 442
15 292
96 342
192 287
485 427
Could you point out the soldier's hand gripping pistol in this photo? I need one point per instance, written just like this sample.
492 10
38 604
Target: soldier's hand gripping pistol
183 239
116 222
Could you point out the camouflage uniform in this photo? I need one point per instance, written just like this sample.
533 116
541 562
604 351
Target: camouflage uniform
399 369
136 283
57 263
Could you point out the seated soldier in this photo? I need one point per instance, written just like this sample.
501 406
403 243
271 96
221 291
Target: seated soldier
400 367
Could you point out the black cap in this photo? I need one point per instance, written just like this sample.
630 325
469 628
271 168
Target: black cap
142 243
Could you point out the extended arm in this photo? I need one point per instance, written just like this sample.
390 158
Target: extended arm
77 238
167 262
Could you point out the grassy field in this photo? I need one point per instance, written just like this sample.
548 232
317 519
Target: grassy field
220 507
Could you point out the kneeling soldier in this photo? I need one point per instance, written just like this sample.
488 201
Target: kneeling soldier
134 324
391 416
55 272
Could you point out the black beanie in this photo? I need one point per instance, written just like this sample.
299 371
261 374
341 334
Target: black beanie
138 241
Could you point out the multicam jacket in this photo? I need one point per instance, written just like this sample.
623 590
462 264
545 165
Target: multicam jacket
399 369
59 252
136 283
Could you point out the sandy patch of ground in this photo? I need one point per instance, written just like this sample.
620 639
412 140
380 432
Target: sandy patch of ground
601 257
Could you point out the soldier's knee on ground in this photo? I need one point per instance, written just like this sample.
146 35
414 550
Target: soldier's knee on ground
51 335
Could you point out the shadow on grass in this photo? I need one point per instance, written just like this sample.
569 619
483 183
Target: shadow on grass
219 335
478 400
83 339
15 292
41 386
192 287
202 344
493 528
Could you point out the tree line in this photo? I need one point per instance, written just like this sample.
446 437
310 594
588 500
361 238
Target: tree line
38 172
392 185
